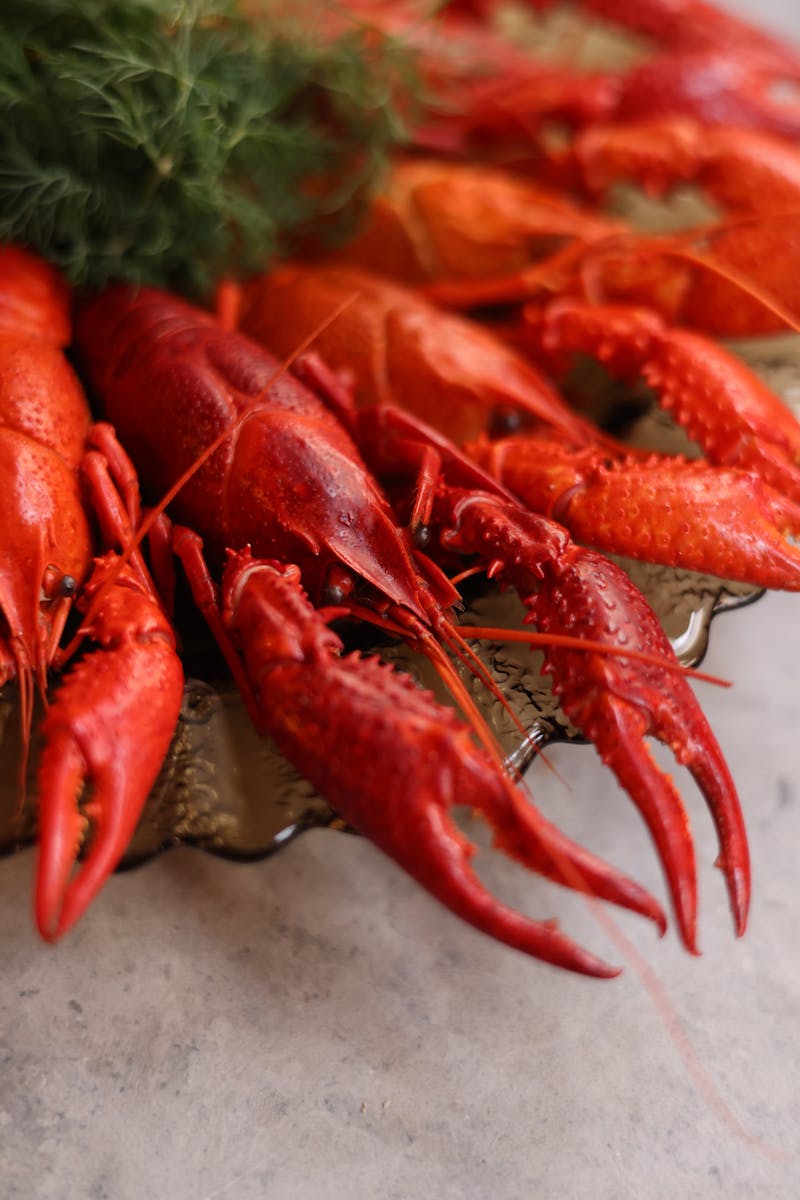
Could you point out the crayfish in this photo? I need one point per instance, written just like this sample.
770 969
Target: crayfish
347 483
60 470
287 508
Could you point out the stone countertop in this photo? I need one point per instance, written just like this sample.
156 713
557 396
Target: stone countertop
315 1026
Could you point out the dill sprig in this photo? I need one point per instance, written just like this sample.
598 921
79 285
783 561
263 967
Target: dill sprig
171 141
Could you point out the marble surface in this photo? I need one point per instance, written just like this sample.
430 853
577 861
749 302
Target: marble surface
781 16
315 1026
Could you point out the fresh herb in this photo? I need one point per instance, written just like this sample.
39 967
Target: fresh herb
172 142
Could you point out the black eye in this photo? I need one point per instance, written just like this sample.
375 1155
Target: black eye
422 537
332 595
56 585
506 421
338 586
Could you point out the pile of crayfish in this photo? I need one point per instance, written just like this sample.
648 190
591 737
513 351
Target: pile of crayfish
333 444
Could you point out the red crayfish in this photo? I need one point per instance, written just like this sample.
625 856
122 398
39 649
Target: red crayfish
486 94
62 476
285 483
276 473
397 348
473 236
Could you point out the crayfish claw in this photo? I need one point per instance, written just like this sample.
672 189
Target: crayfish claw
521 832
618 724
721 521
617 701
105 823
435 852
441 864
410 760
61 834
695 747
618 730
426 842
106 734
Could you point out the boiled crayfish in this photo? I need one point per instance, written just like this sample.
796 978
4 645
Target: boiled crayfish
284 473
488 95
472 236
286 483
109 725
276 476
397 348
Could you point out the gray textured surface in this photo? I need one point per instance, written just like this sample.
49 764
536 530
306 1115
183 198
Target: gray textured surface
782 16
314 1026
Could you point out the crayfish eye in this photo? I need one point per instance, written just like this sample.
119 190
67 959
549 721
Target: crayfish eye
337 587
57 585
422 537
506 421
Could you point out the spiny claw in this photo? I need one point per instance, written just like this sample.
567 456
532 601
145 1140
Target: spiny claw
567 587
106 734
440 862
719 401
617 704
614 701
408 761
107 821
717 520
741 170
435 852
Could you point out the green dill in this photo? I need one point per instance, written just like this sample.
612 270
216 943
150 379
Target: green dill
173 142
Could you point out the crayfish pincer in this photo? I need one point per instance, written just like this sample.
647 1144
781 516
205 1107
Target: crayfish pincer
262 469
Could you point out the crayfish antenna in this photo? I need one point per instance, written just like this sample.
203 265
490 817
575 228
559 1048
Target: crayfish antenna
24 676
